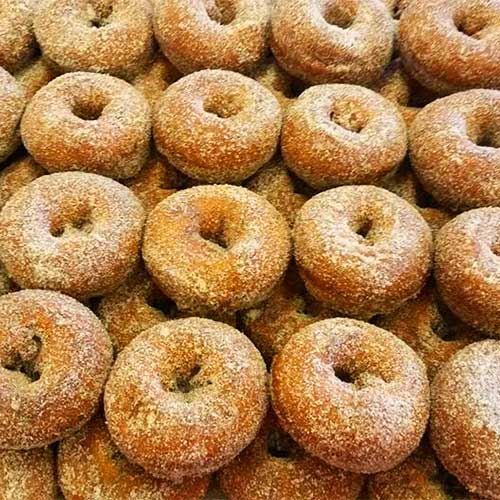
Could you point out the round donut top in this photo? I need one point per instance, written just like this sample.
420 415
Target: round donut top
90 464
465 38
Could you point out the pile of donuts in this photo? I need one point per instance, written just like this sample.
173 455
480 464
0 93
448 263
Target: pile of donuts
249 249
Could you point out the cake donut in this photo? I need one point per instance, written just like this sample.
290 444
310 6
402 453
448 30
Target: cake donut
274 466
88 122
464 50
99 36
55 356
216 248
429 329
467 268
34 75
213 34
342 134
89 462
73 232
185 397
332 42
454 149
465 427
362 250
217 126
12 105
351 394
27 474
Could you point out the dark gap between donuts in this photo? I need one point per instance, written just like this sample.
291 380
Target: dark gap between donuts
397 10
441 326
307 305
27 366
163 304
281 445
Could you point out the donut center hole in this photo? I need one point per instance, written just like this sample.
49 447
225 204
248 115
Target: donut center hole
79 225
345 375
348 117
221 11
364 229
339 15
25 361
470 26
215 236
223 106
357 379
101 17
88 111
487 140
281 445
188 382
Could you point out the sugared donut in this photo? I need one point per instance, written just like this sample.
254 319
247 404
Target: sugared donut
429 329
217 126
454 149
351 394
467 268
12 104
33 75
362 250
100 36
73 232
88 122
55 356
91 466
213 34
27 474
465 36
185 397
216 248
342 134
465 421
331 41
275 467
17 42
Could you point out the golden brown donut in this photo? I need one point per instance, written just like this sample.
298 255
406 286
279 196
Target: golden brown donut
217 126
453 149
429 329
465 36
27 475
88 122
467 268
216 248
99 36
362 250
465 422
185 397
342 134
55 356
328 41
213 34
33 75
91 466
274 467
73 232
12 104
351 394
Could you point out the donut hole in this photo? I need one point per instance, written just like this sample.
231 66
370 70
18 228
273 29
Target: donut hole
101 17
345 375
188 382
223 105
25 362
348 116
78 226
357 379
487 140
222 11
214 236
281 445
339 15
470 26
88 111
364 229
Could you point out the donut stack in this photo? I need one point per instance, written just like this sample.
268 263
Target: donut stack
250 249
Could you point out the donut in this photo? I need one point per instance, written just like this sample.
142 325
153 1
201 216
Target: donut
12 104
465 427
332 42
89 462
17 42
467 268
34 75
362 250
281 188
342 134
464 52
99 36
185 397
217 126
216 248
352 394
27 474
274 466
213 34
55 356
88 122
429 329
72 232
290 308
453 149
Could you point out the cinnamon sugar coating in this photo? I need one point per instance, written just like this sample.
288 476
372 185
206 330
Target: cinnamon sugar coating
342 134
73 232
88 122
34 74
91 466
217 126
185 397
351 394
55 357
